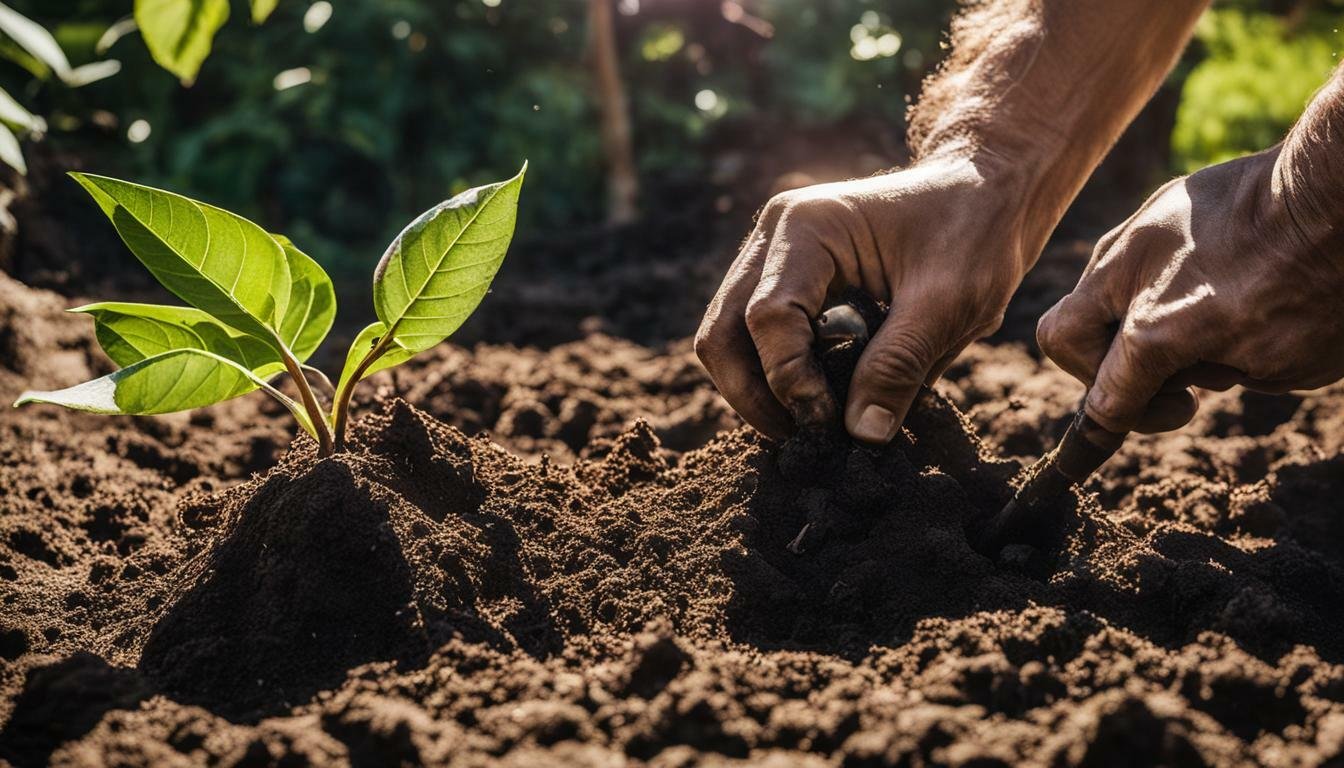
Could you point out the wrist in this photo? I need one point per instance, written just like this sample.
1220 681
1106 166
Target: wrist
1032 174
1047 88
988 198
1308 173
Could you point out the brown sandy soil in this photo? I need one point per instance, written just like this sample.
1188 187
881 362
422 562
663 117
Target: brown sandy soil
559 401
191 590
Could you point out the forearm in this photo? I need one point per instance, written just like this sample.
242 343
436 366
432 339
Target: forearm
1309 172
1044 88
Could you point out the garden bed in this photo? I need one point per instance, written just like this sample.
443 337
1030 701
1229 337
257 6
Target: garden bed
585 586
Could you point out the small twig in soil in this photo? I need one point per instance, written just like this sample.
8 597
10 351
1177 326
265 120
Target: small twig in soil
796 546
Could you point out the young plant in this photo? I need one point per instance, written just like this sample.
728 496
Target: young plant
260 307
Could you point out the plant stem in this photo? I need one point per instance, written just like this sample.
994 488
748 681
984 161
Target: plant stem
300 415
321 377
341 405
319 419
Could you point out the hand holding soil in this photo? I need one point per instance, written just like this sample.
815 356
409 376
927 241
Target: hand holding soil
1030 104
1230 276
928 240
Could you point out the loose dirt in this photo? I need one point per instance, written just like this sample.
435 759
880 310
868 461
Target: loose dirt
583 588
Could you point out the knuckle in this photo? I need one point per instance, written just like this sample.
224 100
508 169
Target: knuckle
1052 332
707 344
1109 408
1107 241
703 345
824 206
778 205
765 313
1146 347
820 214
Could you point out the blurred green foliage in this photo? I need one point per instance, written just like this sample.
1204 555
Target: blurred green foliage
333 123
30 47
1259 72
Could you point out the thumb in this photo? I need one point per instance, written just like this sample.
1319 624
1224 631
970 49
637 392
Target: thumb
1131 393
893 367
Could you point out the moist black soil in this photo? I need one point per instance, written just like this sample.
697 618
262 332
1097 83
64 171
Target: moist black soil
195 590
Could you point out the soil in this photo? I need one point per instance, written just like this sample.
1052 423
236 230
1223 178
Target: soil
577 556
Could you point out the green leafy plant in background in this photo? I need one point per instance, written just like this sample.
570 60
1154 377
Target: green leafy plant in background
260 307
180 33
399 96
1259 74
29 45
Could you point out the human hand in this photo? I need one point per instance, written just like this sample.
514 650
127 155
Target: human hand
1225 277
942 242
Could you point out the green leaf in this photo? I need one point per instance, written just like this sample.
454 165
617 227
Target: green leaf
312 303
179 380
10 153
92 72
440 267
115 32
15 116
214 260
179 33
35 39
261 10
41 47
393 355
129 333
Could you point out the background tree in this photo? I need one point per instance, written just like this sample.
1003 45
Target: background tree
617 142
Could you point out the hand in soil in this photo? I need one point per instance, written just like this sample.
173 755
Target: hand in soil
1230 276
930 240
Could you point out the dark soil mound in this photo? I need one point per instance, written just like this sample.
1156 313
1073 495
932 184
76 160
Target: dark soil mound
310 580
438 599
321 566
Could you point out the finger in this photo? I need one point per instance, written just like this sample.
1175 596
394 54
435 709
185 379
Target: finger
1134 371
1177 403
792 289
891 370
730 359
1213 376
1076 333
1167 411
725 347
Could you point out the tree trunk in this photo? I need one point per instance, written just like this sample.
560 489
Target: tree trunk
617 146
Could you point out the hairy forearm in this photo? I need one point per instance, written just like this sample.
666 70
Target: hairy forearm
1045 87
1309 172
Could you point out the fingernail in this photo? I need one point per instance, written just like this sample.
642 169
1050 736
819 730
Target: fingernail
876 425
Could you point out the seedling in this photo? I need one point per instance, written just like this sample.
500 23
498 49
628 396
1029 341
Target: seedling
260 307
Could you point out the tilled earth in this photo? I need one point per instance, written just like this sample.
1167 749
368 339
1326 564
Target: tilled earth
577 556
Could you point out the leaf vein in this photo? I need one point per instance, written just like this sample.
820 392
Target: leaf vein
480 208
